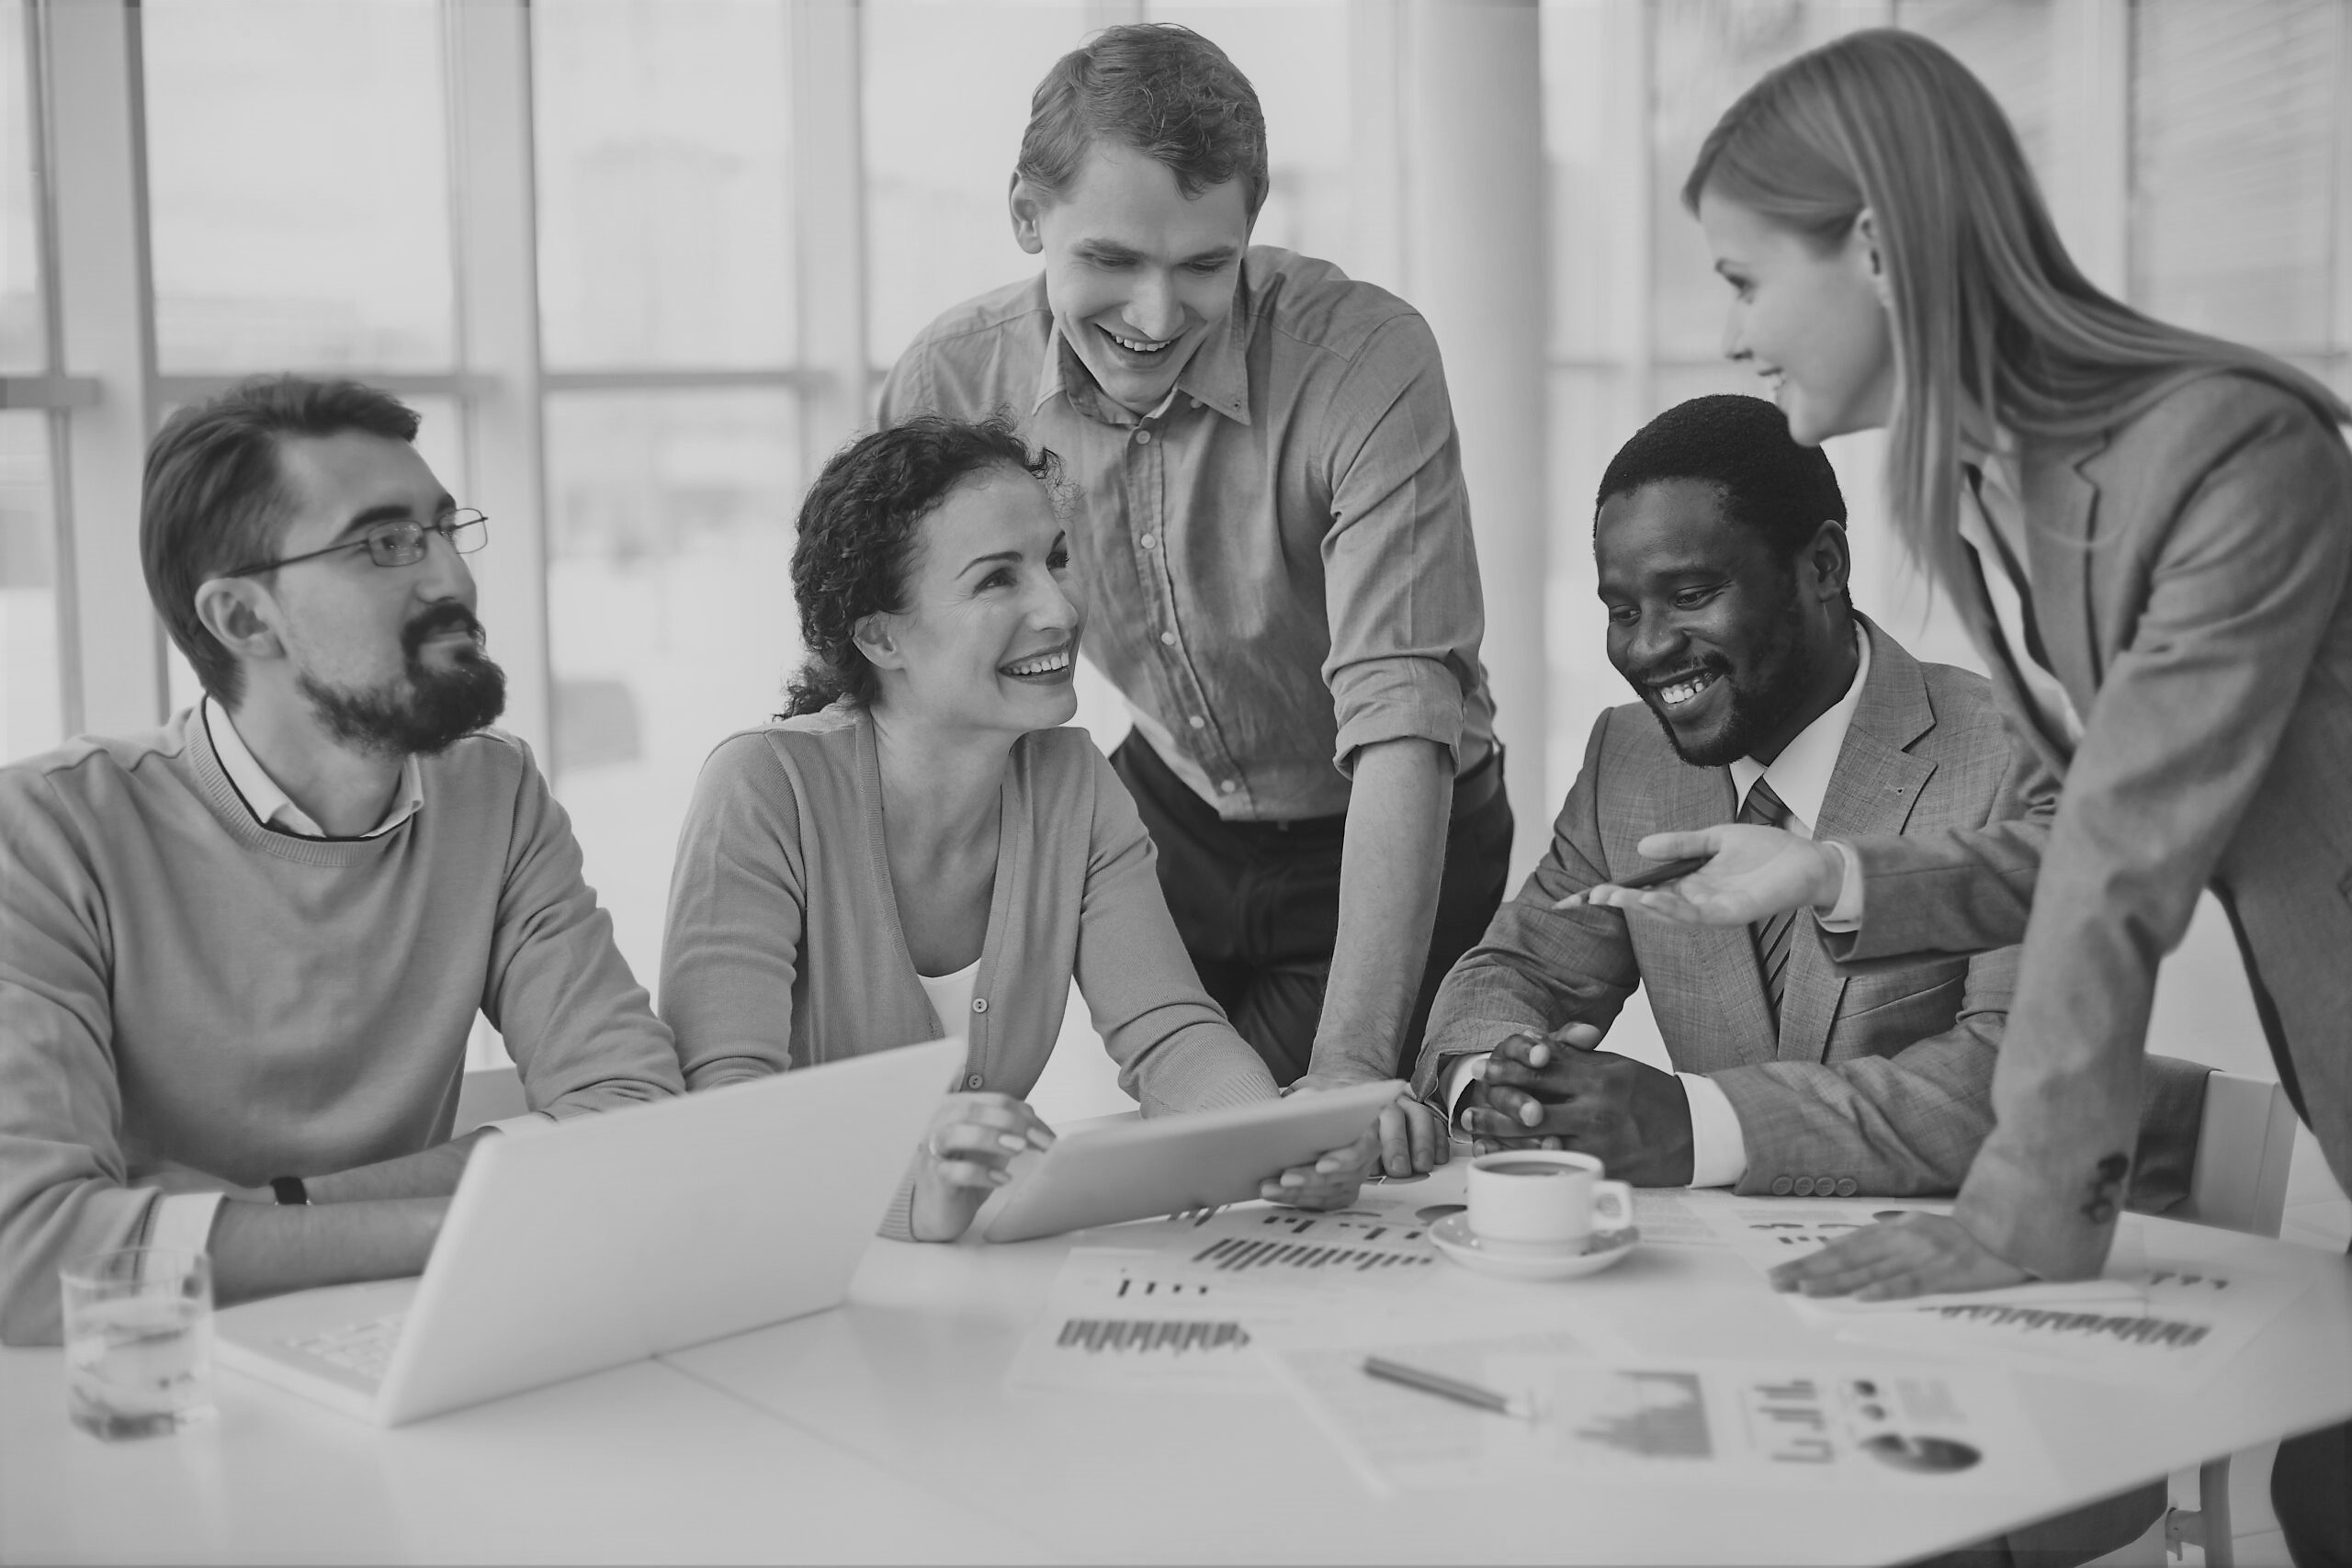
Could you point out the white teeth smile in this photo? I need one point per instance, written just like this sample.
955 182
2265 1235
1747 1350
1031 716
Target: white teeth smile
1044 664
1682 691
1132 346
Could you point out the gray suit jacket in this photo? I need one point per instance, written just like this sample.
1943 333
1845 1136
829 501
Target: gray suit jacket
2189 573
1875 1082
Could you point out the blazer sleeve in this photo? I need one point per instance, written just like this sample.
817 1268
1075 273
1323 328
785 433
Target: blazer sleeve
1902 1124
1954 890
2188 720
737 913
1538 967
1175 1049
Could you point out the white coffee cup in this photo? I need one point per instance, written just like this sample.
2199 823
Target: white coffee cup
1543 1198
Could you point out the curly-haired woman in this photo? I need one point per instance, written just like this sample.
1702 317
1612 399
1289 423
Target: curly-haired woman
917 848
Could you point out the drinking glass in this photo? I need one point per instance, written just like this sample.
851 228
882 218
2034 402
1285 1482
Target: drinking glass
138 1341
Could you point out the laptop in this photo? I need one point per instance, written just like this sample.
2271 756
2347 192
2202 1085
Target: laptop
608 1238
1135 1170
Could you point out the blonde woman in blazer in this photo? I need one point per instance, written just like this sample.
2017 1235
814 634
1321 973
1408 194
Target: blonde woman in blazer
2149 533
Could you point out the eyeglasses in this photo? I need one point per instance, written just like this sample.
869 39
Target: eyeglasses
396 544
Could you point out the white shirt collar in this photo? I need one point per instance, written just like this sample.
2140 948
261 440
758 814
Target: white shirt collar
1800 775
271 807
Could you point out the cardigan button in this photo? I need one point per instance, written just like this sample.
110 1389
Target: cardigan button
972 1082
979 1004
1781 1185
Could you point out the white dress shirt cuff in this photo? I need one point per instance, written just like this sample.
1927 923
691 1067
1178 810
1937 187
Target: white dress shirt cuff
1466 1070
183 1221
1845 914
1718 1148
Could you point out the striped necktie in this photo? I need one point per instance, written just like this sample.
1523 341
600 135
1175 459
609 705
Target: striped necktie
1766 809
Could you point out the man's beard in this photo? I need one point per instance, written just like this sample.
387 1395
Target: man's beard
425 710
1785 669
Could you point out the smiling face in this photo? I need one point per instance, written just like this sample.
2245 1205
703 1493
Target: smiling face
1811 322
988 638
1734 648
1137 274
388 659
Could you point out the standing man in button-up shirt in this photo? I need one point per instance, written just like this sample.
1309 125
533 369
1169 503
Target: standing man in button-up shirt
1270 521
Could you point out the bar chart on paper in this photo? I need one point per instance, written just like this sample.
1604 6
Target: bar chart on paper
1287 1241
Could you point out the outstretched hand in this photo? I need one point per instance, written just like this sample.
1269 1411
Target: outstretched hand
1915 1254
1751 873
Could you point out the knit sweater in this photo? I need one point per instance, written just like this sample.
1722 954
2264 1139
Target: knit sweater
783 946
180 984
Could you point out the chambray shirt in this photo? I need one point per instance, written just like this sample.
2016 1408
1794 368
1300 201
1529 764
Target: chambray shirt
1277 561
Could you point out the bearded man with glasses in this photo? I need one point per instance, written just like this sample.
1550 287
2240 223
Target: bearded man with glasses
241 955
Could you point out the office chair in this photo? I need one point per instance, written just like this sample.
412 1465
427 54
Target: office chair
2245 1141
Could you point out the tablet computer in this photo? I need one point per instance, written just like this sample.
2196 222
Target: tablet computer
1135 1170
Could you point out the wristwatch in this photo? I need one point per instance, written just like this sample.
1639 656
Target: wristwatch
289 1190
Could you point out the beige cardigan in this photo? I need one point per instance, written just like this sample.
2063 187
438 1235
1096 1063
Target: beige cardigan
783 946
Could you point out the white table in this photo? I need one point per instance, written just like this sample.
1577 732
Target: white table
639 1464
885 1431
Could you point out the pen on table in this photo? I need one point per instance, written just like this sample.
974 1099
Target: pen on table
1671 870
1449 1388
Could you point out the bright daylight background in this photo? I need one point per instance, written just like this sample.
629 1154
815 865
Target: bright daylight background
301 168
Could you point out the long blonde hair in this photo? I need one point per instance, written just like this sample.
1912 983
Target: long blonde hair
1986 308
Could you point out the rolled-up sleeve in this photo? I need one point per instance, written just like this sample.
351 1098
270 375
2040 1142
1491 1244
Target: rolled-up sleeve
1400 567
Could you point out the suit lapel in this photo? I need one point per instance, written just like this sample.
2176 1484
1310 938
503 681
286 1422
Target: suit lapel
1873 790
1703 798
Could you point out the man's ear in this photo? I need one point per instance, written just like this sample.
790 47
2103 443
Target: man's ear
1831 559
876 638
1027 205
1874 255
241 616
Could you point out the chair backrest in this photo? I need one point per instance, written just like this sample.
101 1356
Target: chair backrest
492 1094
2245 1141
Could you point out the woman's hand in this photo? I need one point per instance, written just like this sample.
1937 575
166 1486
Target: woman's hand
962 1158
1915 1255
1331 1181
1752 873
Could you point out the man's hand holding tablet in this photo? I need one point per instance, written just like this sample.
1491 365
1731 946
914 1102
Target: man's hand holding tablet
1408 1139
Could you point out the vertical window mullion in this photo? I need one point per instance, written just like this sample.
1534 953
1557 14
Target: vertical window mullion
495 232
101 292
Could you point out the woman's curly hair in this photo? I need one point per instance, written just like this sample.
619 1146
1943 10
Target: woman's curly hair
859 525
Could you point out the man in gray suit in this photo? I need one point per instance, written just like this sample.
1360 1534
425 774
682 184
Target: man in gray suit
1724 564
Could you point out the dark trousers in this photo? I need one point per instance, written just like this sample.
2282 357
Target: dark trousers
2311 1491
1257 903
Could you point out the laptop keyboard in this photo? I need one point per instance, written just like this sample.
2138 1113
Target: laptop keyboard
363 1348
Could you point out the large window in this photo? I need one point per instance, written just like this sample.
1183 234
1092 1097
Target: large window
670 315
297 179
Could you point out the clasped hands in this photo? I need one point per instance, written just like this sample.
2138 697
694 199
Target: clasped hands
1559 1092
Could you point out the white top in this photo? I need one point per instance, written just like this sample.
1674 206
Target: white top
951 997
1999 519
1800 776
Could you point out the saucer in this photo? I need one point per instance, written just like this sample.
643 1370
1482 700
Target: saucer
1523 1260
